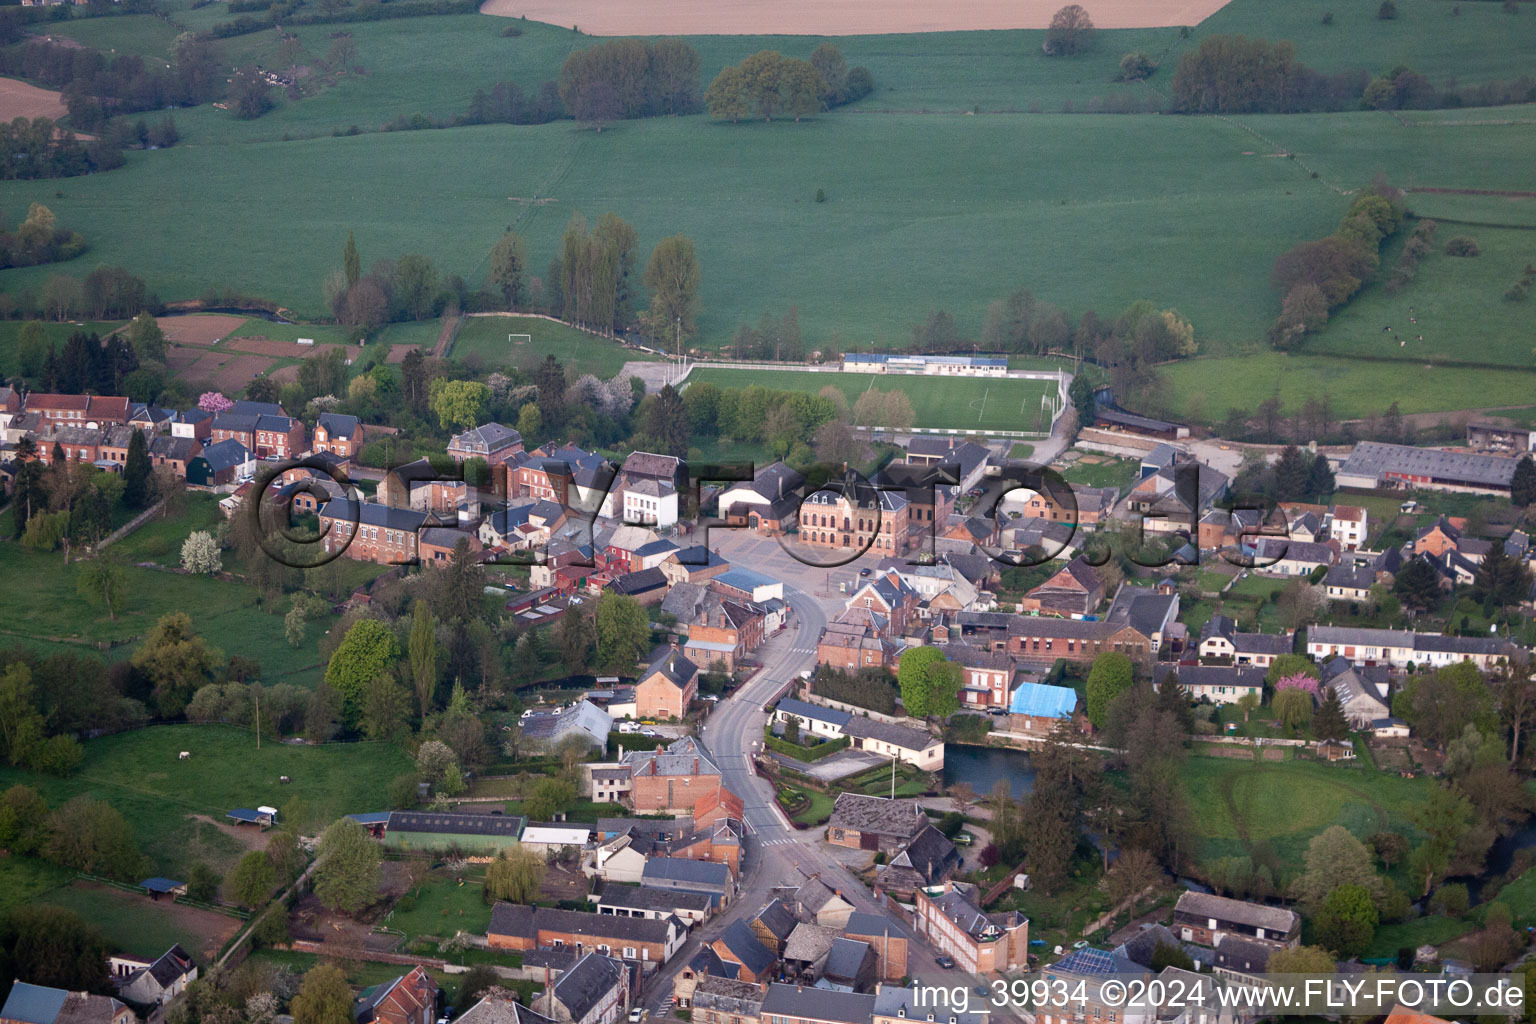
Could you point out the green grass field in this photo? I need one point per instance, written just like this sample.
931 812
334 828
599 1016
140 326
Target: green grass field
927 206
486 338
1289 802
1204 389
140 774
959 403
46 611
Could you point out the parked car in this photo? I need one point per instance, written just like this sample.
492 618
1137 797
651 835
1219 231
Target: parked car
963 839
945 961
636 1015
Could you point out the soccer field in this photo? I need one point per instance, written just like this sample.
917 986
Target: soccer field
959 403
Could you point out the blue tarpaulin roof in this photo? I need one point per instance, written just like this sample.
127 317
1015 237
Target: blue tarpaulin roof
244 814
158 884
1043 700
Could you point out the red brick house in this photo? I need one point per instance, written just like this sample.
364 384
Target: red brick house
490 441
339 434
79 444
671 778
667 687
988 675
409 999
174 452
377 533
77 410
435 545
265 434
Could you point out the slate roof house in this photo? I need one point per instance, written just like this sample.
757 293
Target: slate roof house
874 823
928 859
520 927
38 1004
594 990
888 942
220 463
702 876
799 1004
490 441
738 945
849 967
773 924
667 686
154 982
339 434
1219 638
499 1007
1362 691
822 904
1218 684
950 916
770 503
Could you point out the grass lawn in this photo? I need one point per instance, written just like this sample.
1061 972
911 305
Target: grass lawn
1107 472
961 403
486 338
323 334
439 906
898 235
1203 389
140 774
1431 929
1289 802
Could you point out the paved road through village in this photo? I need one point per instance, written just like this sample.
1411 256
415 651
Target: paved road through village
777 854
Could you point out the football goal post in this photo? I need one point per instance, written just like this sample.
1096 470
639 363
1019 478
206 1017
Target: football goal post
519 339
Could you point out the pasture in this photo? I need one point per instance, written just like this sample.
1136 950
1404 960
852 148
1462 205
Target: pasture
1286 803
1203 389
488 339
46 610
177 808
926 70
922 212
960 403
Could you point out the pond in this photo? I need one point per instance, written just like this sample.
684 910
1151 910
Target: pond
982 767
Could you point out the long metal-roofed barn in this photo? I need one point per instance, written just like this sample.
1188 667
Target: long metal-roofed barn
449 830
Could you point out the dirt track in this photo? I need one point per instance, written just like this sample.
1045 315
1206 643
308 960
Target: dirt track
842 18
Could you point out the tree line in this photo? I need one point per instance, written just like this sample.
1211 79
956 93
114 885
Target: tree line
97 86
630 78
1319 276
768 84
39 148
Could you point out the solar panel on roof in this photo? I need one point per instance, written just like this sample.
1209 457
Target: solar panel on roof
1089 961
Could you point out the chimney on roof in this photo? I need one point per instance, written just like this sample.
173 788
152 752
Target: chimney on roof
695 766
